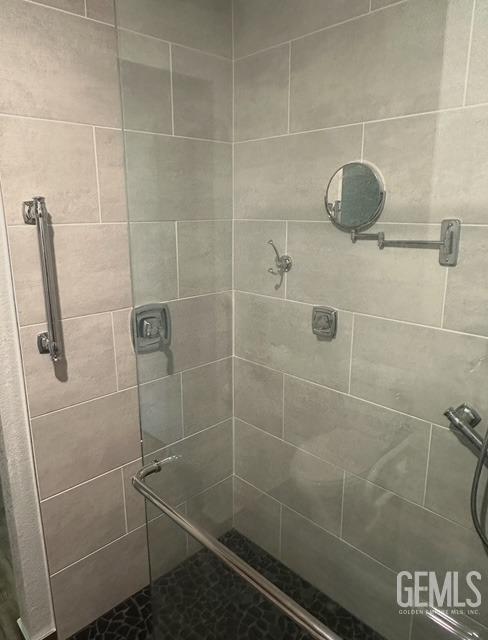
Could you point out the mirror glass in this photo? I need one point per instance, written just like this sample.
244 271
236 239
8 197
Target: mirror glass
355 196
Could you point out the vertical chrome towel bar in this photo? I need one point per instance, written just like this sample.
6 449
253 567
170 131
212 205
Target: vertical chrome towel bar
50 341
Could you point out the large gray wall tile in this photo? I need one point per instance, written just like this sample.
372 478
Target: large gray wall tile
387 448
32 38
70 188
86 590
257 516
357 582
359 278
259 25
206 25
261 94
161 419
207 395
81 520
253 256
404 367
153 258
100 435
407 537
467 293
178 179
202 95
204 256
301 481
285 178
90 365
111 176
450 476
145 78
424 73
101 10
477 90
202 333
258 396
93 270
203 460
268 332
421 172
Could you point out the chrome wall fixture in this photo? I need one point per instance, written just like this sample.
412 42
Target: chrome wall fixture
50 341
448 245
283 264
287 605
151 327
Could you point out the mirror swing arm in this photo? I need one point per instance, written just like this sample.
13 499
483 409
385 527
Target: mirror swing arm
448 245
354 200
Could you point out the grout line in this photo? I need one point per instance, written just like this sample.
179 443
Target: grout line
175 135
178 44
86 8
177 256
283 407
350 354
444 298
70 13
427 463
289 85
99 198
468 57
115 351
182 405
171 90
280 533
285 275
342 502
366 315
102 313
85 482
370 6
125 501
461 107
362 141
102 548
372 121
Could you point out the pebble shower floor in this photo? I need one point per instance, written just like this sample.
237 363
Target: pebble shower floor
201 599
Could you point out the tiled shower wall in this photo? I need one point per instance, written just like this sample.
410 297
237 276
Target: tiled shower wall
61 137
344 464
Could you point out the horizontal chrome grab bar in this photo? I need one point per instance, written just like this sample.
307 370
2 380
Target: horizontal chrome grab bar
287 605
50 341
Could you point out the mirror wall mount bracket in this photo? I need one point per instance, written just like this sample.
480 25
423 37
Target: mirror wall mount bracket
448 245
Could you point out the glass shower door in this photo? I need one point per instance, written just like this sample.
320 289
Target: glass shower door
327 465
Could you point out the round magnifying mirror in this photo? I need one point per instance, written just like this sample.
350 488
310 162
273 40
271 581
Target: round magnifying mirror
355 196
